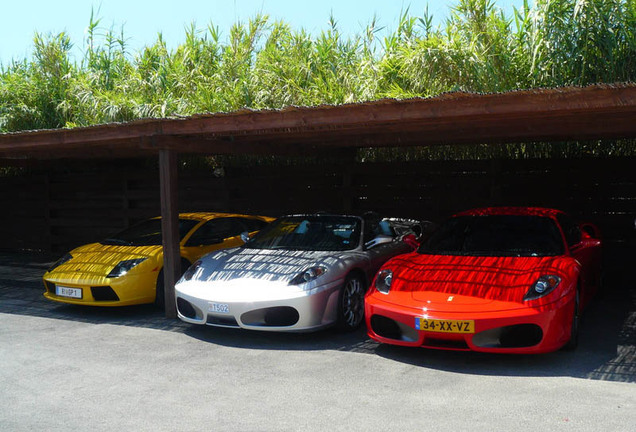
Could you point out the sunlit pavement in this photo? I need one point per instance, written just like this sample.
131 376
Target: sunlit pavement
77 368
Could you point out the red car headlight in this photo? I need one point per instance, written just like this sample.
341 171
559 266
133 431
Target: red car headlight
543 286
383 281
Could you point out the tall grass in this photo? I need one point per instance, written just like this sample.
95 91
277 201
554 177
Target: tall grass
267 64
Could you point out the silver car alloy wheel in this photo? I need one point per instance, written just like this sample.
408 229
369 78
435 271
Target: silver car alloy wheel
353 302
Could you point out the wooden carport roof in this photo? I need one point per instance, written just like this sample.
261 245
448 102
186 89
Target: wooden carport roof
572 113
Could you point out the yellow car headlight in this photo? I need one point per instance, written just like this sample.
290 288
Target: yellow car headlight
124 267
61 261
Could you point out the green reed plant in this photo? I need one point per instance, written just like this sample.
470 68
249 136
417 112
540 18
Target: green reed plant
263 64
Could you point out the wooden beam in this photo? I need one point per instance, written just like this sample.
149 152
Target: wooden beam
206 145
593 112
169 227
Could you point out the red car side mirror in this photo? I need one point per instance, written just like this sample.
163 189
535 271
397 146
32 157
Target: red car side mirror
589 231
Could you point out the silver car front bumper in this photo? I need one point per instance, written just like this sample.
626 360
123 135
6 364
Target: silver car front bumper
258 305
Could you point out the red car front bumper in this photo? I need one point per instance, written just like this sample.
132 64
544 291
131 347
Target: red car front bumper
514 329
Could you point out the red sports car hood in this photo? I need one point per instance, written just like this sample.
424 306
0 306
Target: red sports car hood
472 280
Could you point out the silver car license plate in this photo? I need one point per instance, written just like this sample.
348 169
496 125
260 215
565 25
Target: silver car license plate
218 307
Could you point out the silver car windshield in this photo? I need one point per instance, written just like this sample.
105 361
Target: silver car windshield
315 233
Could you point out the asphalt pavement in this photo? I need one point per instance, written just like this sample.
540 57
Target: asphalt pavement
69 368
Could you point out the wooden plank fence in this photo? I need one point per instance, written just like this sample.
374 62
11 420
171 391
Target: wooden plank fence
55 211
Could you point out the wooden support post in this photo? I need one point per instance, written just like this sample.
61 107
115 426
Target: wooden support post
169 227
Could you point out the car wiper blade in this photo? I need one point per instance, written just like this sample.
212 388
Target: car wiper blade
117 242
264 247
442 252
480 253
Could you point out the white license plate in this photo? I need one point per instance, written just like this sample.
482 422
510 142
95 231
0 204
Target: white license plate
218 307
63 291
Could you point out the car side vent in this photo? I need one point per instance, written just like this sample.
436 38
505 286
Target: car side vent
388 328
277 316
50 287
185 308
104 293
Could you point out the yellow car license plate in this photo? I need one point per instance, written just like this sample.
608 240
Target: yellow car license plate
445 326
63 291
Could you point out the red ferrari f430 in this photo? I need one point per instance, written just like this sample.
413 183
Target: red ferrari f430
508 280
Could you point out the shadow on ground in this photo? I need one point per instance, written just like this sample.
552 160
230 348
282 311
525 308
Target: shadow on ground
607 349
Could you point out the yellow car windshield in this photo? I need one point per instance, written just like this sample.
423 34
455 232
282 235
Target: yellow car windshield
147 233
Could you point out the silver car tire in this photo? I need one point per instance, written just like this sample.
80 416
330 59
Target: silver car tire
351 303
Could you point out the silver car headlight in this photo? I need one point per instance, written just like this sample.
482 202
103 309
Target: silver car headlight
543 286
124 267
383 281
189 273
61 261
308 275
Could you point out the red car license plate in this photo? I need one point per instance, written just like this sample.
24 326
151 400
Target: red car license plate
445 326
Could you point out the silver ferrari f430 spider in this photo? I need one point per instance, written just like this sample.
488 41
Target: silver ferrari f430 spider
300 273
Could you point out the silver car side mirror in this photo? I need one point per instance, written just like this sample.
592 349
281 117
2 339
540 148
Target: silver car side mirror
245 236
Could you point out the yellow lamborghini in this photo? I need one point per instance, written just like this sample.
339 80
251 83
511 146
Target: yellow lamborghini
126 269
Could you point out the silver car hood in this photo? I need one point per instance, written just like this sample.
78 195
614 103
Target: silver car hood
275 265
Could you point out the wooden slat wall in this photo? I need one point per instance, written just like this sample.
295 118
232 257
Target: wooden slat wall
282 190
85 207
58 211
24 213
429 190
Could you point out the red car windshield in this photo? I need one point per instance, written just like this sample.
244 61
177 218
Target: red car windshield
496 235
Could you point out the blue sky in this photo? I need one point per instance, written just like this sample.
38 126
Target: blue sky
143 19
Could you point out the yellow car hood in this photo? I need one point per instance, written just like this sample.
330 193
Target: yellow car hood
92 262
